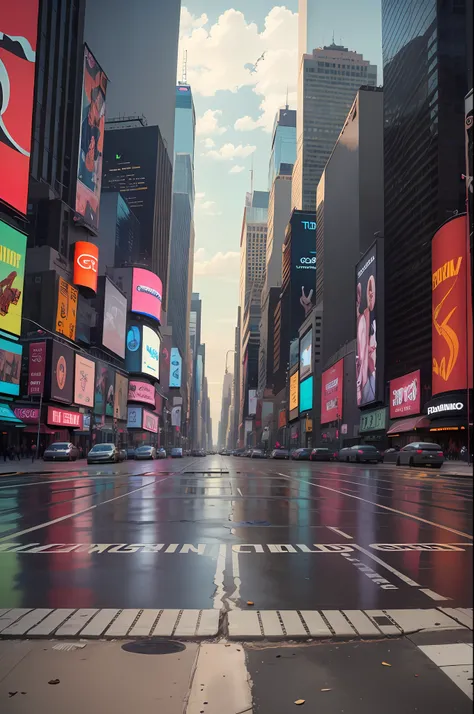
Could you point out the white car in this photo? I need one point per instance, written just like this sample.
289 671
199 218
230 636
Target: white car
145 452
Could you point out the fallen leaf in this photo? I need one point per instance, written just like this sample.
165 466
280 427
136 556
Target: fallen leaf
53 681
300 701
250 603
386 664
326 690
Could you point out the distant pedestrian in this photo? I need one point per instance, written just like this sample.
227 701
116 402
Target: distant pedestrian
33 452
5 453
17 452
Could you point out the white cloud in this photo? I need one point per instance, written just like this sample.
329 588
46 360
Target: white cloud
224 57
209 123
237 169
209 143
228 152
220 265
206 208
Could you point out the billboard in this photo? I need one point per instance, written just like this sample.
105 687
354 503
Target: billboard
150 421
36 368
294 352
176 368
252 402
150 352
91 141
176 416
281 418
133 350
66 313
306 354
100 388
141 392
366 328
18 35
10 367
147 292
28 415
451 317
62 373
86 264
134 417
12 272
332 384
84 374
303 267
405 395
306 395
64 418
121 396
293 394
115 320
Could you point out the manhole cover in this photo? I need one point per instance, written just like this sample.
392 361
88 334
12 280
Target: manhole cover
153 646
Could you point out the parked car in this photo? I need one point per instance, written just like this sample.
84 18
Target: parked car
390 456
247 453
161 453
145 452
421 453
61 451
257 454
280 454
130 452
301 454
176 452
224 452
122 454
101 453
198 452
321 454
360 453
238 452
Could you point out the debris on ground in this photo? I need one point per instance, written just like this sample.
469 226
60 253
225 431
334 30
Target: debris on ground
386 664
53 681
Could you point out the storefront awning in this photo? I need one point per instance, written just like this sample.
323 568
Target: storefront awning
43 429
8 417
404 425
455 423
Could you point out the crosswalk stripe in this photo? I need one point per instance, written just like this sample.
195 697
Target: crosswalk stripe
122 624
144 624
75 623
22 626
12 616
166 624
50 623
99 623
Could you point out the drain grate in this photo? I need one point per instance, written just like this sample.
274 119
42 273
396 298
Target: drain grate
153 646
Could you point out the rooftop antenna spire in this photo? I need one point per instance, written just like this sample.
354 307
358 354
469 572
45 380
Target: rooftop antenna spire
333 37
184 79
286 104
251 178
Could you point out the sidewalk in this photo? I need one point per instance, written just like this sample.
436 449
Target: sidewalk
40 466
457 468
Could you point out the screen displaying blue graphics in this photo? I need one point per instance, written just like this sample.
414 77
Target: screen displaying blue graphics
176 368
133 344
306 395
10 367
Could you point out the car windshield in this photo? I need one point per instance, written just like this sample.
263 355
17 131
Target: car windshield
429 447
102 447
59 446
367 448
144 448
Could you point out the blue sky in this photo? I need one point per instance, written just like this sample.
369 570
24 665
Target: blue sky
235 111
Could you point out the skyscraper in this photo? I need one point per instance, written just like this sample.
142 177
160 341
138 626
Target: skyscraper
283 151
327 84
225 404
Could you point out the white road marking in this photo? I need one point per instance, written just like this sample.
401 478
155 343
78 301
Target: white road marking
341 533
433 595
396 572
237 581
240 492
219 577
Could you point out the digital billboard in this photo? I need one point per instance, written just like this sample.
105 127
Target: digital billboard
150 422
306 395
91 141
306 352
366 328
294 395
405 395
252 408
64 418
150 352
452 319
86 264
133 352
84 374
66 314
110 394
10 367
36 368
121 396
100 388
12 272
294 352
147 290
176 368
62 373
115 320
134 417
141 392
332 384
18 36
303 267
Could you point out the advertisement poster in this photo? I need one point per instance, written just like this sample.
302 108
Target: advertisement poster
303 268
366 328
176 416
62 373
281 418
28 415
86 264
452 324
91 142
64 418
10 367
306 350
294 352
252 402
150 352
12 274
66 314
405 395
134 417
306 395
332 383
36 368
121 396
293 393
84 374
147 291
115 320
176 368
100 388
141 392
110 397
150 422
18 36
133 354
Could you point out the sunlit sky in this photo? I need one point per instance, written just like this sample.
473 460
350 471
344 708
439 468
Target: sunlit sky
235 110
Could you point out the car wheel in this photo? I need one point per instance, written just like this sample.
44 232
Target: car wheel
436 466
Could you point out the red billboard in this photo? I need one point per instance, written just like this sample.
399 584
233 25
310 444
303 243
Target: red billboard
405 398
63 417
36 368
86 264
18 35
451 311
147 290
331 392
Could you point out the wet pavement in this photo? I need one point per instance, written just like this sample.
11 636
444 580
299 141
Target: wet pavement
217 532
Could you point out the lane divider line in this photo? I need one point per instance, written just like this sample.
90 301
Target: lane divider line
339 532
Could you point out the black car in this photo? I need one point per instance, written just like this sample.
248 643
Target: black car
321 454
361 453
301 454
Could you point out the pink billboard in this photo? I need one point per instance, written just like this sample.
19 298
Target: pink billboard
141 392
36 368
63 417
405 398
147 291
331 392
150 422
84 381
28 415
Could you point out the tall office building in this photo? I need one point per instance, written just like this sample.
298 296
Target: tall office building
225 404
235 402
197 359
283 149
425 80
327 84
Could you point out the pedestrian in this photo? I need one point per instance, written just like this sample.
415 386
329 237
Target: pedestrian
33 451
17 452
12 453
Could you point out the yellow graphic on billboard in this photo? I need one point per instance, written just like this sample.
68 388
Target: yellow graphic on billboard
67 309
12 277
294 383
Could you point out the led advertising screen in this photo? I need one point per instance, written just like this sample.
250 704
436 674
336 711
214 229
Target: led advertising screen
100 388
294 394
252 402
150 352
86 264
141 392
64 418
449 341
66 314
62 373
332 383
176 368
306 395
18 35
405 395
36 368
306 352
115 320
84 374
121 396
133 352
12 271
10 367
150 422
147 291
134 417
110 394
366 328
294 352
91 141
303 267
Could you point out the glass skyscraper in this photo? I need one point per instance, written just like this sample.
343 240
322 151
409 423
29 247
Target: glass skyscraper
283 151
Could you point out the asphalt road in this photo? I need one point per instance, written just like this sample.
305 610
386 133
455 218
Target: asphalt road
217 532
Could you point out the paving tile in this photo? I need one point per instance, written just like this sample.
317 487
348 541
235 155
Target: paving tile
209 623
26 623
99 623
362 624
121 626
292 622
166 623
271 624
50 623
144 624
12 616
460 615
339 623
383 623
414 620
315 624
187 624
243 624
75 623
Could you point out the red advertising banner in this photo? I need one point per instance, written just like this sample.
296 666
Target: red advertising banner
86 264
150 422
18 35
141 392
63 417
331 392
452 315
36 368
405 398
28 415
